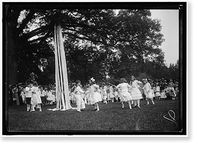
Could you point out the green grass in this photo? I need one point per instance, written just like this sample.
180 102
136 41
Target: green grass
110 117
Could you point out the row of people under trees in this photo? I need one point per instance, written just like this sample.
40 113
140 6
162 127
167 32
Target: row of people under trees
18 93
159 89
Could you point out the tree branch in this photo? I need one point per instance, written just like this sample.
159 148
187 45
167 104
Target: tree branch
25 21
36 31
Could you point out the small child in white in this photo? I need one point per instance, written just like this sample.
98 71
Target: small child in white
163 95
148 91
28 95
157 91
78 95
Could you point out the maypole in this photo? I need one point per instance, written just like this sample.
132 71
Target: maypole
62 88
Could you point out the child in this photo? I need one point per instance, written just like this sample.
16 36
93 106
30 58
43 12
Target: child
157 91
171 94
94 94
163 95
111 93
36 100
50 97
22 94
125 96
148 91
135 92
104 94
28 95
116 96
78 95
43 95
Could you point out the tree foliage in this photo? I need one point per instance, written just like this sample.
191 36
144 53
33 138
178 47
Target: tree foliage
98 42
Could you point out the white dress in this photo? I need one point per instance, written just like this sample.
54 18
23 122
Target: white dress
36 96
123 92
163 95
135 92
111 93
157 91
94 94
79 100
148 91
50 96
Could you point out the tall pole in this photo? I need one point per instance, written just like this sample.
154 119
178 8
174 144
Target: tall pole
61 77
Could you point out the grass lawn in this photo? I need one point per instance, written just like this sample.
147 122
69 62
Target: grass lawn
110 117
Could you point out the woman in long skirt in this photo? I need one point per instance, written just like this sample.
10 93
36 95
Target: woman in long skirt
94 94
125 96
135 92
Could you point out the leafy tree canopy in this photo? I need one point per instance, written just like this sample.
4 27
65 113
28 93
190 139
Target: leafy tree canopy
98 42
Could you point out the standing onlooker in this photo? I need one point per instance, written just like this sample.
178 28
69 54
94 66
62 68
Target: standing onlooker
148 91
28 95
22 94
157 91
116 95
104 94
43 95
78 95
111 93
170 92
15 95
36 100
163 95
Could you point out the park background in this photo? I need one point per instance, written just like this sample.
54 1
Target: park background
106 44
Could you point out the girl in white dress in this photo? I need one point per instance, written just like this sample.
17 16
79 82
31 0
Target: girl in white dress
135 92
148 91
28 94
111 93
94 94
23 95
157 91
104 94
36 100
163 95
79 98
50 97
116 95
87 95
125 96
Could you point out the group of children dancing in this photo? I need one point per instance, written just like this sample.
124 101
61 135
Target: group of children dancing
124 92
130 94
